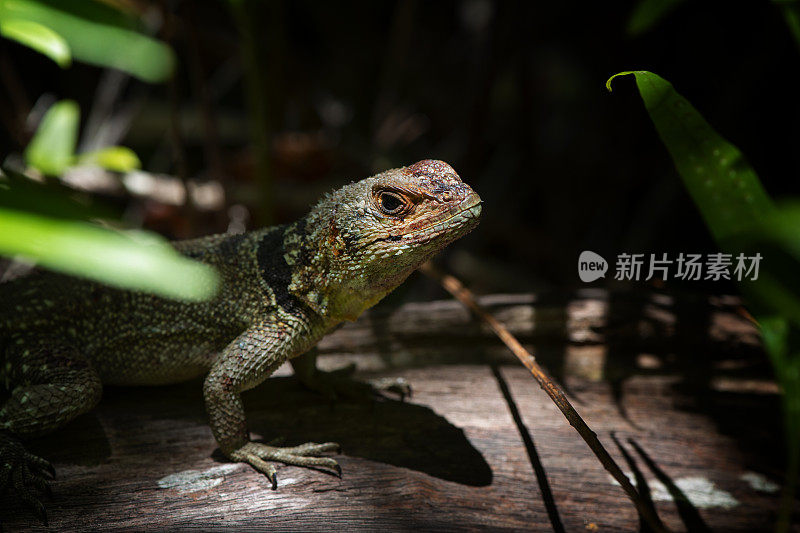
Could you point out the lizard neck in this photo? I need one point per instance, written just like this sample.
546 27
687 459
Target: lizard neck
326 271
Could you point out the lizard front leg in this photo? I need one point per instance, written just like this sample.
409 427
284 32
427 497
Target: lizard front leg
243 364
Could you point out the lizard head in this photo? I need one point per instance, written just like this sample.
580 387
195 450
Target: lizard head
376 231
396 220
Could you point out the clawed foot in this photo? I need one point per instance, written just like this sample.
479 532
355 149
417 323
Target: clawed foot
257 455
24 473
339 384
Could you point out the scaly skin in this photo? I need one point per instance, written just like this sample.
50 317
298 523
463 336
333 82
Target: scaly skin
283 288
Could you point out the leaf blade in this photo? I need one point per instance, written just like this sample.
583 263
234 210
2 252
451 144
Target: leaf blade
99 34
648 13
738 211
722 184
53 145
116 158
51 198
132 260
37 37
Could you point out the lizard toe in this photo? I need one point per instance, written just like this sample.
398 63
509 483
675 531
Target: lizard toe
22 480
268 469
24 473
399 386
37 481
258 455
312 448
5 475
41 463
306 460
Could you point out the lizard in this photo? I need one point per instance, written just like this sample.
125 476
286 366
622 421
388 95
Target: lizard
282 288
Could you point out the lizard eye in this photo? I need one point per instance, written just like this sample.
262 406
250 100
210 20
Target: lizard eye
392 203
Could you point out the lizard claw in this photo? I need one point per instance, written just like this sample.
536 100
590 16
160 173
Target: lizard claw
50 470
24 473
42 464
273 478
257 454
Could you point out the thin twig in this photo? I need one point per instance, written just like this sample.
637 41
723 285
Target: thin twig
463 295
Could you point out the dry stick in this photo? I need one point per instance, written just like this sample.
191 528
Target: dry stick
462 294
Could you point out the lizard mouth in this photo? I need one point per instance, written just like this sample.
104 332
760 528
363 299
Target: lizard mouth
469 213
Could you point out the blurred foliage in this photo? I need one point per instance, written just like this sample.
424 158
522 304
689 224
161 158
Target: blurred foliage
740 215
36 36
52 149
40 225
648 13
50 197
89 31
791 13
116 158
134 259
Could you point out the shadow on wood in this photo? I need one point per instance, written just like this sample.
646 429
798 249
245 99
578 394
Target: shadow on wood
388 431
456 456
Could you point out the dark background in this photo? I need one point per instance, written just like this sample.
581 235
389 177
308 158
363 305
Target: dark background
510 93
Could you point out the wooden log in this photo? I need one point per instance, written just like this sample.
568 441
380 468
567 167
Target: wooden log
453 457
570 333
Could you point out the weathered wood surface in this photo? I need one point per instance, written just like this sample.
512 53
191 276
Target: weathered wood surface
682 386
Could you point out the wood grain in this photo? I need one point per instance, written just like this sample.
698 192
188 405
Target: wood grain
682 382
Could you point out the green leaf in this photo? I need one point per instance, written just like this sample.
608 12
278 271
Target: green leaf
721 182
729 196
52 148
791 13
51 198
777 334
648 13
38 37
98 34
782 226
133 260
116 158
738 212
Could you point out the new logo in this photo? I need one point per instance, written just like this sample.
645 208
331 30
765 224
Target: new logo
591 266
